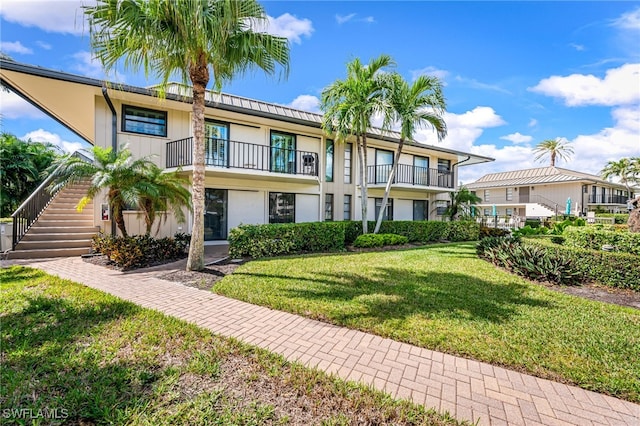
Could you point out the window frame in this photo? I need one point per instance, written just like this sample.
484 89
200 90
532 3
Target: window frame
327 169
124 120
509 194
328 207
389 209
272 216
486 195
287 167
348 163
346 201
425 209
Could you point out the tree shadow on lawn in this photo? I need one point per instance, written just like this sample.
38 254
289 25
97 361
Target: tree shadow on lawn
396 293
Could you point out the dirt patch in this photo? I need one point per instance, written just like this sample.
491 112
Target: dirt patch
600 293
202 280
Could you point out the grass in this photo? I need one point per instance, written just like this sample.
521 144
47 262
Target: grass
445 298
73 355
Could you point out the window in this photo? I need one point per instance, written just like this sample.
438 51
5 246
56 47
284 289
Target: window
441 207
282 207
388 211
144 121
328 207
420 171
215 214
328 161
347 207
509 194
420 209
384 163
283 152
444 165
445 177
509 212
216 139
348 158
486 195
487 212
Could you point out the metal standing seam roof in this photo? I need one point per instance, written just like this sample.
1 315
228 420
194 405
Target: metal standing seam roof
539 175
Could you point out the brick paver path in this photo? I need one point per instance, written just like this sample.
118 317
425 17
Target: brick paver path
469 390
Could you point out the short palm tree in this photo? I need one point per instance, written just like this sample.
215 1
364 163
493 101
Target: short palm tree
626 169
412 106
350 104
198 40
160 193
553 148
461 202
117 172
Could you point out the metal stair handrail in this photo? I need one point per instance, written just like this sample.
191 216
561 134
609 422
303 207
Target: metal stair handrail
30 210
545 201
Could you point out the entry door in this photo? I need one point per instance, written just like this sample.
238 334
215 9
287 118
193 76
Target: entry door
216 137
215 214
524 194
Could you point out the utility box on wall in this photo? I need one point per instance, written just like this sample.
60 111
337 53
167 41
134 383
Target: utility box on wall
105 214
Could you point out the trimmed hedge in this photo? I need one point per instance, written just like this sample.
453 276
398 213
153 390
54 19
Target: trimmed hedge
618 218
609 268
594 239
140 250
280 239
379 240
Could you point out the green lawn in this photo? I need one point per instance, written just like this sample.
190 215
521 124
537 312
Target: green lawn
444 298
71 354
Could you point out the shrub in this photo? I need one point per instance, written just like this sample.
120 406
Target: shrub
531 262
487 232
618 218
379 240
140 250
591 238
609 268
533 223
528 230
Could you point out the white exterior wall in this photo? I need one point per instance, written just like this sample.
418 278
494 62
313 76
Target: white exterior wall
307 208
246 207
402 209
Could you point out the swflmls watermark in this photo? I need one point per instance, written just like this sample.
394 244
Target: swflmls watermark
31 414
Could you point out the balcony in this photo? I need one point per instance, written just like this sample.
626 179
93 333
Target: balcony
608 199
241 155
410 175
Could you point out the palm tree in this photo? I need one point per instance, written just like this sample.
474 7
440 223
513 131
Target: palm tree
461 202
350 104
412 107
162 192
554 148
117 172
626 169
197 40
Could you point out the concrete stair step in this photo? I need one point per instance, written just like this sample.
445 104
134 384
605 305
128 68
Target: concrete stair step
65 214
56 223
63 229
57 236
52 244
44 253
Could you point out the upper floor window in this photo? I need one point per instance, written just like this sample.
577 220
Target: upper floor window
144 121
348 156
509 194
444 166
283 152
486 195
328 161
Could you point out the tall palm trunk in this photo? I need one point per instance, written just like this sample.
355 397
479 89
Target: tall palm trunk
387 189
199 74
118 217
362 159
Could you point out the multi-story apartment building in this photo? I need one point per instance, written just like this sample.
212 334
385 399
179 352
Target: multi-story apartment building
265 163
545 191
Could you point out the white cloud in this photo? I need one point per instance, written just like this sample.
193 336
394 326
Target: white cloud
91 67
14 107
629 20
15 47
618 87
306 103
430 70
517 138
341 19
533 122
369 19
286 25
43 45
42 135
578 47
58 16
475 84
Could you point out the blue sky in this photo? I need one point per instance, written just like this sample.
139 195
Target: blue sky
515 73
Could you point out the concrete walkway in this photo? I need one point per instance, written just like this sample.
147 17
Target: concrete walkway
469 390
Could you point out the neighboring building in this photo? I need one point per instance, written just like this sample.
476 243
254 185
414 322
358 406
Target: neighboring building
541 192
265 163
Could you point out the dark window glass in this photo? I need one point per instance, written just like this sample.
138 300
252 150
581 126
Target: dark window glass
144 121
441 207
328 161
215 214
347 207
420 209
388 211
282 207
348 155
328 207
283 152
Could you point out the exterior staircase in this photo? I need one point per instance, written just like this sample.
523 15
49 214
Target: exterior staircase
61 230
